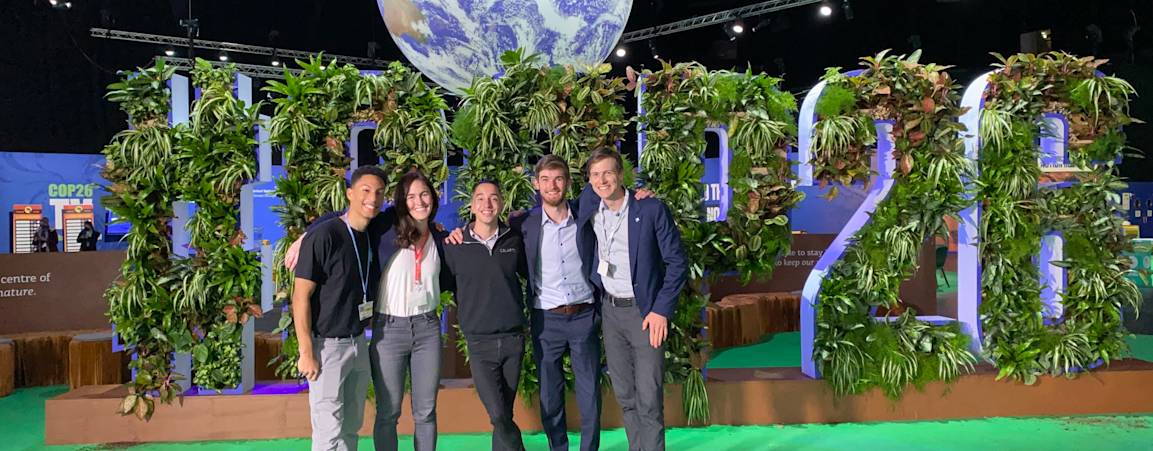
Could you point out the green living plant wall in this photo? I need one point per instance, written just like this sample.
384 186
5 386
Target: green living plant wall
1017 213
312 122
852 350
215 290
142 187
505 123
679 102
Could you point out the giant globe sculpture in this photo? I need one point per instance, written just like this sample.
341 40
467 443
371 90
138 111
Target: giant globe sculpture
453 41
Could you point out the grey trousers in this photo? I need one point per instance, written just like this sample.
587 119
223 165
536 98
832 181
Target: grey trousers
637 371
400 344
336 397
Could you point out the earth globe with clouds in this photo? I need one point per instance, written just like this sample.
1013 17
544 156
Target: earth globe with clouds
453 41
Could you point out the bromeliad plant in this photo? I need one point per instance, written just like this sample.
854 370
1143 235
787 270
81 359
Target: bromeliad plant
138 167
1018 337
312 121
679 102
215 290
852 350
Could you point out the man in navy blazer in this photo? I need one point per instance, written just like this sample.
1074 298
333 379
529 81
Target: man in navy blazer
640 268
564 316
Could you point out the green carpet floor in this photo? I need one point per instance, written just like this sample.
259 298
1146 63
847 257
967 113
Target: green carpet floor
783 350
22 428
946 283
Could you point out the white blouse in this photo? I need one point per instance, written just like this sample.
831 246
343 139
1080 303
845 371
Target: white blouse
399 293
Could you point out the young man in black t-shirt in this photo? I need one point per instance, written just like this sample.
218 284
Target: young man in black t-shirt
332 300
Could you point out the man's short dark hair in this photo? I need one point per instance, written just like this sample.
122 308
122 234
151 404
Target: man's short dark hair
368 170
603 153
552 162
488 182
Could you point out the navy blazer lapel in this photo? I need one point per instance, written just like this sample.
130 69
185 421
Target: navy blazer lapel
531 230
634 220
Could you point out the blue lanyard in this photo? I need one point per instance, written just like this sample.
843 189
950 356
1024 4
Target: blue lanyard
356 249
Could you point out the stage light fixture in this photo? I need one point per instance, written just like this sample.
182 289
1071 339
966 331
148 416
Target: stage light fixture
223 56
738 27
275 63
826 10
67 5
621 52
653 49
169 51
53 2
761 25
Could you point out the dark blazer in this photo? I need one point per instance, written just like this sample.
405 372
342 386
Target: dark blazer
657 260
529 225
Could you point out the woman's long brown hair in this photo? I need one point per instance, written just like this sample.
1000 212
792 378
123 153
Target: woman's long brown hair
407 233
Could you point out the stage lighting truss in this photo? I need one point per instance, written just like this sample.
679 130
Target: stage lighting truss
180 41
722 17
252 70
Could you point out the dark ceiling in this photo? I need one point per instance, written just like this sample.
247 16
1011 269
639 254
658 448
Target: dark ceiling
52 74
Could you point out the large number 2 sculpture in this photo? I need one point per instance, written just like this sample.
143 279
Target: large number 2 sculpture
884 165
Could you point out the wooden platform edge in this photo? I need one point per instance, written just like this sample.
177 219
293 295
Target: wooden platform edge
86 415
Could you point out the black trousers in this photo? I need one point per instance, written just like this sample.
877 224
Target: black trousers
495 364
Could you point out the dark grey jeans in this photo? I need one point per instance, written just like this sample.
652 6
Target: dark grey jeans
637 371
400 344
495 364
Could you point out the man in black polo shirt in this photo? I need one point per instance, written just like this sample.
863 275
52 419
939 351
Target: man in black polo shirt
332 301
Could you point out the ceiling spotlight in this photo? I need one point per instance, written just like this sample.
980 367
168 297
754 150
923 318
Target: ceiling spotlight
223 56
170 52
738 26
276 63
653 49
826 10
621 52
67 5
53 2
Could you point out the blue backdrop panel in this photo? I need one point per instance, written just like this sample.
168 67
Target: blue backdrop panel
1138 199
53 180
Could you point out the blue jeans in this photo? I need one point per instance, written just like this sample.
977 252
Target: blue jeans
398 345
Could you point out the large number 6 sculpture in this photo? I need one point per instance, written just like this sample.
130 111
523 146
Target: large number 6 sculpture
1051 118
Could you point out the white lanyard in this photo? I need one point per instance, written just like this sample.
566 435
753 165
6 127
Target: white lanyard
610 236
356 250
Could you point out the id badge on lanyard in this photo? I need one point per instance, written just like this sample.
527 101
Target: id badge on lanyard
606 269
365 308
